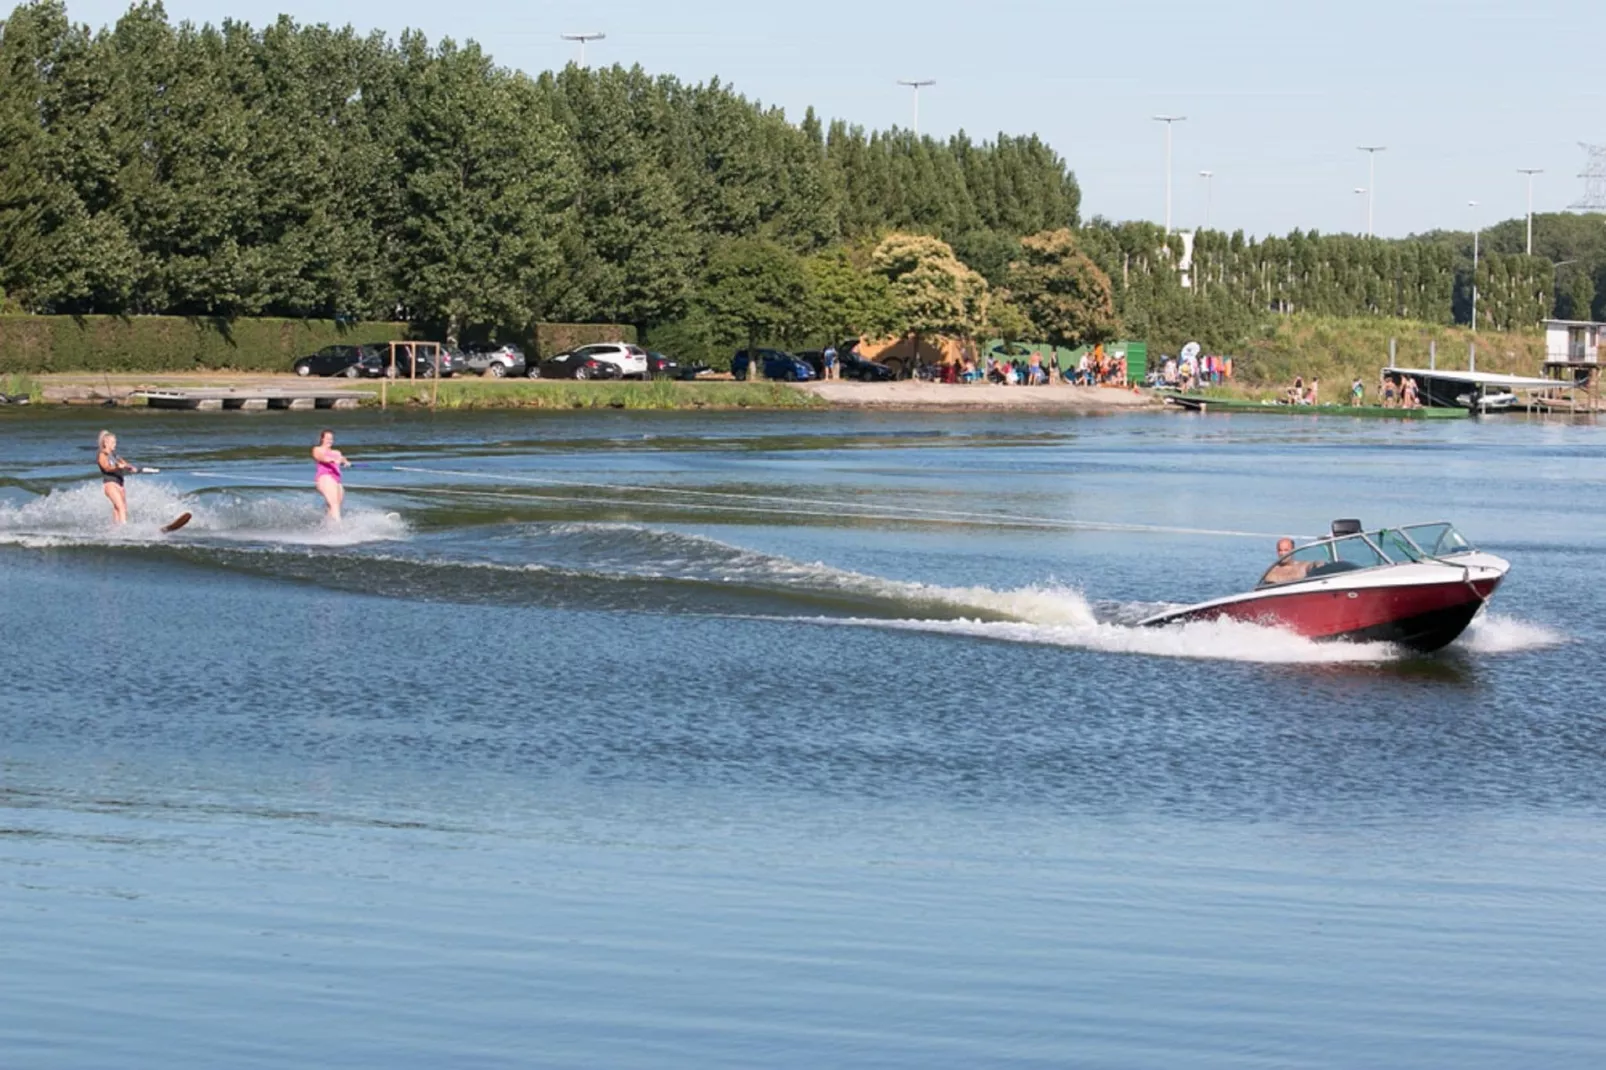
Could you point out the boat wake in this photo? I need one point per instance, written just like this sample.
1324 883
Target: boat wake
1495 633
635 568
81 516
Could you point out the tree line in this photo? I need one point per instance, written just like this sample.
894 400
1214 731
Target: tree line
308 171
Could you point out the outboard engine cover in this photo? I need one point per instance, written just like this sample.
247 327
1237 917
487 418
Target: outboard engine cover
1346 527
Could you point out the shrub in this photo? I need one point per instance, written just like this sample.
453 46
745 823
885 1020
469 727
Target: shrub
35 344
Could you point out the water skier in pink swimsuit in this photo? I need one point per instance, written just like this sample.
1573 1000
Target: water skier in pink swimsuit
327 478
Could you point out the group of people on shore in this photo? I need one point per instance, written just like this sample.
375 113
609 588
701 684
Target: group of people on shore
1397 392
1094 368
1393 392
327 460
1300 394
1191 370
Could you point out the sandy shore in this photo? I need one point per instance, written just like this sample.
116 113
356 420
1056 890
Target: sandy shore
919 395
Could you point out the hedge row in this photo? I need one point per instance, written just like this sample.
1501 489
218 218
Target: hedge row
30 345
34 344
553 338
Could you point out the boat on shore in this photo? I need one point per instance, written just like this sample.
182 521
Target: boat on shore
1417 586
1201 403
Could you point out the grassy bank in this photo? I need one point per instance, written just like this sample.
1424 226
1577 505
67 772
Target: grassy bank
539 394
25 386
1337 350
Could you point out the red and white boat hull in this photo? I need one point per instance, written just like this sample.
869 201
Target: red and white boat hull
1422 605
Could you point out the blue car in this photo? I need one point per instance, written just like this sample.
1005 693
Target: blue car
778 364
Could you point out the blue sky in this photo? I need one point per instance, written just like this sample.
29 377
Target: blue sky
1277 95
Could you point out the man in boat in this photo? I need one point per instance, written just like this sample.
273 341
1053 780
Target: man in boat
1286 571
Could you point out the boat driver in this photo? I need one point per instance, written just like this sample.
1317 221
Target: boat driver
1286 571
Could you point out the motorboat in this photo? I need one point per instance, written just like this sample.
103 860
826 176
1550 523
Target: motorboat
1417 586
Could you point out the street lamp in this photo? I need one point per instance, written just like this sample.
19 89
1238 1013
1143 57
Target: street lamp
917 85
1360 189
1530 172
1169 121
589 35
1371 179
1207 176
1474 205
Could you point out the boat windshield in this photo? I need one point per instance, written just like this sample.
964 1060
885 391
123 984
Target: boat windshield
1323 559
1437 540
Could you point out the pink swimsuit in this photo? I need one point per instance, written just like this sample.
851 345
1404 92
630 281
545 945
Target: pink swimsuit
327 469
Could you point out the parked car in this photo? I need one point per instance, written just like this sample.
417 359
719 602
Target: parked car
496 361
576 364
853 366
375 363
631 360
662 367
331 360
778 364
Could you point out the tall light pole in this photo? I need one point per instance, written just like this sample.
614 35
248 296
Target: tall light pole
1207 176
589 35
1530 172
1359 190
917 84
1371 179
1473 205
1169 121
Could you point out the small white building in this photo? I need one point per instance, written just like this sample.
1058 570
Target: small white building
1575 342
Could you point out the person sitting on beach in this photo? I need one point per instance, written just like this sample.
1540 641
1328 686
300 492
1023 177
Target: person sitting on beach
1286 571
968 371
1296 393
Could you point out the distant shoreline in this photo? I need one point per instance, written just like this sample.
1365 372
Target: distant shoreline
475 393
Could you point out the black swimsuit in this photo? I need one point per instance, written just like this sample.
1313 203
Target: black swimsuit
115 476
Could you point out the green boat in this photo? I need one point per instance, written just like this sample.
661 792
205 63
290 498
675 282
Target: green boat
1195 403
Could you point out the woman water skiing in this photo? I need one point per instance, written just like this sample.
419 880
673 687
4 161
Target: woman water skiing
327 478
112 470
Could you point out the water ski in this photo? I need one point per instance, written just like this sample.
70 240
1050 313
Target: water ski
178 522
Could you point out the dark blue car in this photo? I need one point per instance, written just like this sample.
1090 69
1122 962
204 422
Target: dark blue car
778 364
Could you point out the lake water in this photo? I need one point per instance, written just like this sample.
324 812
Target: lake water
787 740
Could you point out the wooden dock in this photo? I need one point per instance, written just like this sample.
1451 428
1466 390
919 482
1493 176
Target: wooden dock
254 398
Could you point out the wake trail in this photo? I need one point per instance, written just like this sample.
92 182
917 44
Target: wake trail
81 516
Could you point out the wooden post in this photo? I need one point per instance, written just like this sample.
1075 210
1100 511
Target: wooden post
435 387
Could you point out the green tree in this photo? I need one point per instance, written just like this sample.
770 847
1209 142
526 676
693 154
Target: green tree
487 191
842 300
1006 319
1062 291
933 292
751 292
1576 298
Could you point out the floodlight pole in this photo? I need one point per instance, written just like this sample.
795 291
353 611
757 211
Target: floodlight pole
1169 121
1371 179
1207 176
1475 228
1530 172
590 35
917 84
